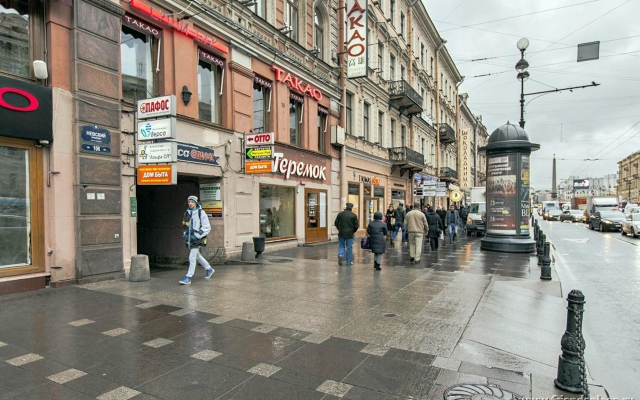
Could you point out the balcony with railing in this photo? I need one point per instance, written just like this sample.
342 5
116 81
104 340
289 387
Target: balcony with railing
406 159
448 174
404 97
447 133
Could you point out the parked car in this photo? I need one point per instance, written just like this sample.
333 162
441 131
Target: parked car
571 215
631 225
553 215
631 210
606 220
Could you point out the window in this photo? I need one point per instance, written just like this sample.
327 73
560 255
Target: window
392 67
392 6
365 121
424 148
259 8
277 211
137 50
431 66
424 100
261 105
393 132
291 18
422 55
402 72
16 224
319 32
296 106
349 116
403 135
432 154
15 45
380 128
380 56
402 32
353 196
323 115
210 72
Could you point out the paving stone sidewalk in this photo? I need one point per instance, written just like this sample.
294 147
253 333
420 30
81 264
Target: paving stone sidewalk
296 326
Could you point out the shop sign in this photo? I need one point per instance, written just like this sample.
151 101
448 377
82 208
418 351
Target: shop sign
429 184
259 139
429 193
173 20
356 39
141 26
133 206
296 83
259 153
164 106
157 129
258 167
398 185
157 174
441 184
197 154
298 168
164 152
440 192
210 192
29 108
214 209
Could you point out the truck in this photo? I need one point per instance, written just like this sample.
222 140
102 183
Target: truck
477 206
579 203
599 203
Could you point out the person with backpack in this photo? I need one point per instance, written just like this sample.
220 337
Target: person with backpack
196 228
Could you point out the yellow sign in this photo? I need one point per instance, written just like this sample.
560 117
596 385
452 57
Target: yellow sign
455 196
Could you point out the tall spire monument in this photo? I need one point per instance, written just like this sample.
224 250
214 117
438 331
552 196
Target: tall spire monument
554 188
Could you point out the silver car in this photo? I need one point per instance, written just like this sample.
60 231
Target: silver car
631 225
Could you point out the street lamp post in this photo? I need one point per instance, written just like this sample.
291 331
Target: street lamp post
523 75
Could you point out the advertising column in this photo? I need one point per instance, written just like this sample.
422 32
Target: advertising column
501 189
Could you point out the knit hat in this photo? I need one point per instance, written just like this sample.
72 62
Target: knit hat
193 198
377 215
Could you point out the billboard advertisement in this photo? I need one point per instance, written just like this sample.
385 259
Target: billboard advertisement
581 183
502 197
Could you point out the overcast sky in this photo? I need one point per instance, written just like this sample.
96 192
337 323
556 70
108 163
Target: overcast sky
600 122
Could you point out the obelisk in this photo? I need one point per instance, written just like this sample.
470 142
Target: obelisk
554 188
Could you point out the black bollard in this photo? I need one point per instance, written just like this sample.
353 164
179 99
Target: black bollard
541 240
536 234
572 375
545 271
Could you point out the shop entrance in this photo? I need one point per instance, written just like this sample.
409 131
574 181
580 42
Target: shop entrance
315 216
373 202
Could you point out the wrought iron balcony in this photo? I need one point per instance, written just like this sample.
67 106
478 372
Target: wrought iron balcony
405 159
447 133
447 173
404 97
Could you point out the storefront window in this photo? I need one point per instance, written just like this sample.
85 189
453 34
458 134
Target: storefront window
261 105
210 70
14 37
277 211
15 213
397 197
354 196
136 56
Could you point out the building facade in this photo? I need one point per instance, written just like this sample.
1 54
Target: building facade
628 186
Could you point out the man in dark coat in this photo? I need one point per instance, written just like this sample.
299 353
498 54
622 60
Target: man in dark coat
435 227
347 224
377 231
399 215
442 214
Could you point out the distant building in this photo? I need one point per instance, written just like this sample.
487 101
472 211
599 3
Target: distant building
628 177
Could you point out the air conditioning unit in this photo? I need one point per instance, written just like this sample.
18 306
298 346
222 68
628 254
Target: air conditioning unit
337 135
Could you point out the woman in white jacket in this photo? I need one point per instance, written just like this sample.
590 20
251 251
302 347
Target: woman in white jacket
196 228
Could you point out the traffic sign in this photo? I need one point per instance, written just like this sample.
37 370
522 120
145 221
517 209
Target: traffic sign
258 167
259 153
259 139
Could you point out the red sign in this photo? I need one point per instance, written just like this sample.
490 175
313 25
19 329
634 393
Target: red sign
33 102
259 138
296 83
180 26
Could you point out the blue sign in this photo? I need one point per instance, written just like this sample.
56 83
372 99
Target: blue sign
95 134
196 154
95 148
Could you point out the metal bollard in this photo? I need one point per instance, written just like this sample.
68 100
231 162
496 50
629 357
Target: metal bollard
542 239
572 375
535 235
545 271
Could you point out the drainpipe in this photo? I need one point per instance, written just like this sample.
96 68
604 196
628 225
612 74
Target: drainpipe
438 108
343 114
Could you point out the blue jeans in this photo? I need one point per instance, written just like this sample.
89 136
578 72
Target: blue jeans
397 227
348 243
195 256
453 230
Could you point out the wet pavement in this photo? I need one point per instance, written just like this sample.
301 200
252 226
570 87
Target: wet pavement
294 326
605 267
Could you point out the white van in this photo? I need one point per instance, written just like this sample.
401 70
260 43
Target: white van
474 218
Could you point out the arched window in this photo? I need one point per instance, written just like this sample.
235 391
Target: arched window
319 32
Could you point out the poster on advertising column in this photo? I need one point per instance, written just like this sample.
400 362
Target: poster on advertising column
501 194
525 198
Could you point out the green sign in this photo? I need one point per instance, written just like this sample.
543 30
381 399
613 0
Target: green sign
260 153
133 206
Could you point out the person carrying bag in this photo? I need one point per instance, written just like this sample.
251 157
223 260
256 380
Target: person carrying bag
196 228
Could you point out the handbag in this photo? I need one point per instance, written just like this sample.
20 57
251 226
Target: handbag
364 243
441 235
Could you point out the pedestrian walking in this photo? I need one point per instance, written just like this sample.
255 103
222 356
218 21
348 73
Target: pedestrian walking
452 220
435 228
377 231
196 228
417 226
347 224
390 220
399 215
442 214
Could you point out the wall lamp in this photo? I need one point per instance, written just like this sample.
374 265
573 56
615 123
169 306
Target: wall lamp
248 3
186 95
285 29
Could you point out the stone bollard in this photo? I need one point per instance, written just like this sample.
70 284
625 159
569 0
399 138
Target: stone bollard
247 251
545 271
541 239
572 375
139 271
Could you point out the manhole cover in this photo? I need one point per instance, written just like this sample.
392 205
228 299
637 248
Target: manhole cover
280 260
479 392
389 315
